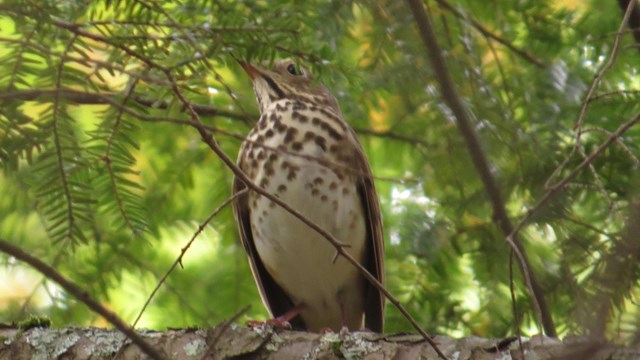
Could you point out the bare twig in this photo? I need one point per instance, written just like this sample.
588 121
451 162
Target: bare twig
84 61
619 141
479 160
393 136
202 29
80 294
590 93
484 31
557 187
609 94
183 251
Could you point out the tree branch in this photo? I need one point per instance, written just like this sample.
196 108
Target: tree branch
484 31
82 296
578 127
479 159
183 251
229 341
557 187
86 98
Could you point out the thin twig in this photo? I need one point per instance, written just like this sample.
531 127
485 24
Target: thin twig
609 94
200 55
86 62
557 187
484 31
634 20
578 127
619 141
183 251
393 136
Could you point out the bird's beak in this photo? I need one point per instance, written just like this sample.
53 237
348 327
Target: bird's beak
251 70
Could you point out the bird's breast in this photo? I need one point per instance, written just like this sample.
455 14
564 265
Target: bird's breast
302 154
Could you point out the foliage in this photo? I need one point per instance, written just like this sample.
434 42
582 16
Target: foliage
103 178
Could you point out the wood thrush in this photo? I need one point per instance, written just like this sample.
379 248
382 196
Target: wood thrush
303 152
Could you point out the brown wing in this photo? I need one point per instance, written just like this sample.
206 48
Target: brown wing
273 297
374 251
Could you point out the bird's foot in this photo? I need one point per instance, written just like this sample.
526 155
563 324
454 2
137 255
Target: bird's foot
280 322
344 331
276 323
326 330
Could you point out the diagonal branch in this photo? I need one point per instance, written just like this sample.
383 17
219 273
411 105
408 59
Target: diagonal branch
484 31
183 251
578 127
480 160
81 295
560 185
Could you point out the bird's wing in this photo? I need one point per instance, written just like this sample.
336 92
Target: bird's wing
274 298
374 251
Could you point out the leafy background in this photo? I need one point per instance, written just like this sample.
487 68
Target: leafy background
102 181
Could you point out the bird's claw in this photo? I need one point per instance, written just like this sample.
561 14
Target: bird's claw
276 323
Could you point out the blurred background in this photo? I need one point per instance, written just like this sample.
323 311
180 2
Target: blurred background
101 180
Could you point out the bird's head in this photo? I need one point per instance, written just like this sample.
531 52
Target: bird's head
287 81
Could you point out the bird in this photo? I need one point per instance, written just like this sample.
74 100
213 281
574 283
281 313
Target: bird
303 152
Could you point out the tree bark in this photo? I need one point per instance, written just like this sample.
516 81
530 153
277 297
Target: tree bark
239 342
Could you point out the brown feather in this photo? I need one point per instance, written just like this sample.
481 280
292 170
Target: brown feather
374 299
275 299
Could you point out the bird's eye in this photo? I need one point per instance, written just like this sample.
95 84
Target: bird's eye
291 68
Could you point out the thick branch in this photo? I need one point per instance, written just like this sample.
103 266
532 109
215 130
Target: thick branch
232 341
478 157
